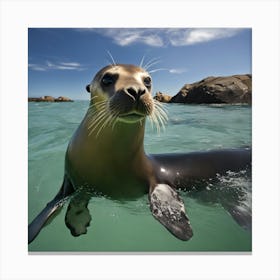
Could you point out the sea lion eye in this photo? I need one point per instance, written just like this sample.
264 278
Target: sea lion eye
147 82
108 79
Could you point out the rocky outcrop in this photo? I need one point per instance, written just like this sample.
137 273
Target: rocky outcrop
162 97
47 98
236 89
63 99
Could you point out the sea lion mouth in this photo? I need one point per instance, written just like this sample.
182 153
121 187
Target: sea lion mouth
131 117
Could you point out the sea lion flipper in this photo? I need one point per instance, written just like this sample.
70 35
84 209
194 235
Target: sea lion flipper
51 208
77 217
242 214
168 208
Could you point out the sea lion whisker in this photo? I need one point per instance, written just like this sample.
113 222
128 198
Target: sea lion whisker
149 62
114 63
158 69
108 117
114 123
93 97
92 100
154 120
142 61
103 119
101 127
106 122
99 117
114 113
113 118
96 119
94 113
93 103
159 117
161 108
151 121
100 104
161 121
162 114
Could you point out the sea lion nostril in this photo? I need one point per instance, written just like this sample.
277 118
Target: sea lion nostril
136 93
132 91
141 91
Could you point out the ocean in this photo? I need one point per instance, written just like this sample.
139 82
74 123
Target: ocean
128 226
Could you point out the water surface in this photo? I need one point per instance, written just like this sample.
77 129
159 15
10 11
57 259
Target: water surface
128 226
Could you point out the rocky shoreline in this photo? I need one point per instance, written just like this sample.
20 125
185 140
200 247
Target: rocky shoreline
49 99
236 89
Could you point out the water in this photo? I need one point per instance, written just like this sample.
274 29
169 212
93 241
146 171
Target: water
128 226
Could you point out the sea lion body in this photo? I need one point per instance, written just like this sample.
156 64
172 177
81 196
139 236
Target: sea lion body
105 165
106 155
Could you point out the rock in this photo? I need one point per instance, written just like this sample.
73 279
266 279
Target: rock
35 99
48 98
63 99
162 97
231 90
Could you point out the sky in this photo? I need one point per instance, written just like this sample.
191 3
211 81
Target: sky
62 61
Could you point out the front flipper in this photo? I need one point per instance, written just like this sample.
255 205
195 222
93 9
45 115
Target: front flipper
51 208
168 208
241 213
77 217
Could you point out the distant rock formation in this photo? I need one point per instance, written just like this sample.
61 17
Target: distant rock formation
162 97
47 98
236 89
63 99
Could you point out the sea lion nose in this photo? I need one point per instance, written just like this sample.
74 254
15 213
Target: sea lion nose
135 92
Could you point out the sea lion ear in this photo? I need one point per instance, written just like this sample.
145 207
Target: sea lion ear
168 208
88 88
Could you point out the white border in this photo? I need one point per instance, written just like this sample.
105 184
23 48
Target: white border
262 16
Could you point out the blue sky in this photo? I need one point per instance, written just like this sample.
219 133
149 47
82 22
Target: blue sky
61 62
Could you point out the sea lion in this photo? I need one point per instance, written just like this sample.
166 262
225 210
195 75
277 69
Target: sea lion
106 155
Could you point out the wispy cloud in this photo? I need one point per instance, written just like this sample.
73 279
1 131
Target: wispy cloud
48 65
177 70
185 37
159 37
36 67
172 71
125 37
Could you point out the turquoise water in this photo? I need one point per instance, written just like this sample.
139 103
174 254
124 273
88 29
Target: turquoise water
128 226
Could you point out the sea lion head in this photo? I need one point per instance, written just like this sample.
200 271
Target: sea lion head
124 91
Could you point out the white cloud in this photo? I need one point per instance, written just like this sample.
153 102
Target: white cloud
56 66
185 37
36 67
172 71
71 64
124 37
177 70
159 37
